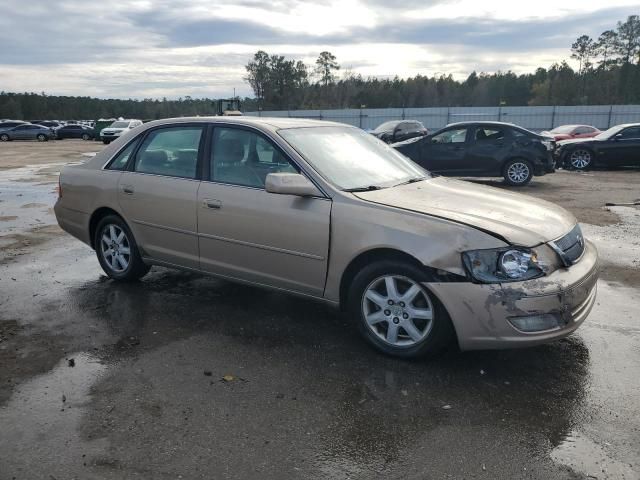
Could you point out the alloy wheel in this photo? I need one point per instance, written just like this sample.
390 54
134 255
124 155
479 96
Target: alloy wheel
518 172
580 158
41 138
397 310
4 138
115 248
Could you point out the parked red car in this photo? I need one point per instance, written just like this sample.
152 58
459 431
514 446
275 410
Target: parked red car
566 132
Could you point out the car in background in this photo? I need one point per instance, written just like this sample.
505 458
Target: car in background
48 123
617 147
483 149
27 131
566 132
399 130
117 128
9 124
75 131
271 202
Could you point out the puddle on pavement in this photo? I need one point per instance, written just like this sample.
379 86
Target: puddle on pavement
27 195
49 407
588 458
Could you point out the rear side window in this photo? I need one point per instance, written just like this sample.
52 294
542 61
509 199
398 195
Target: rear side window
489 134
170 151
121 160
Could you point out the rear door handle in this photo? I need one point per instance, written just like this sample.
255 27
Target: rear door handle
128 189
212 203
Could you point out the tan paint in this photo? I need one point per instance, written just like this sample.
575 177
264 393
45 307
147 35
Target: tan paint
304 245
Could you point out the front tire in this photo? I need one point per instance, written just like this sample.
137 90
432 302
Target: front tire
395 313
117 250
106 142
41 138
4 137
580 159
86 136
518 172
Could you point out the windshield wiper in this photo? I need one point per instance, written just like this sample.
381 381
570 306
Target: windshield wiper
411 180
368 188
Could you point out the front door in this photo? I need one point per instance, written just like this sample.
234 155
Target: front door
159 191
249 234
445 152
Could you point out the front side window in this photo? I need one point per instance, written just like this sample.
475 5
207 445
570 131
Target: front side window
451 136
350 158
170 151
629 133
243 157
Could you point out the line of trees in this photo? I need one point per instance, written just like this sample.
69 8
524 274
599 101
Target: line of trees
34 106
608 73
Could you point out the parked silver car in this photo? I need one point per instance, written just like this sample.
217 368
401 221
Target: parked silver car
329 212
27 131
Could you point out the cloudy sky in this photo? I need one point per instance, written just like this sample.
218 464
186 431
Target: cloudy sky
172 48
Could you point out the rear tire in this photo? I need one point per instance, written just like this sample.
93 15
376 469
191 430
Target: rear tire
517 172
396 320
86 136
117 250
41 138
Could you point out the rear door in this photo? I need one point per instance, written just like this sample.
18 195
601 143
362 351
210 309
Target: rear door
250 234
488 146
21 132
445 152
158 193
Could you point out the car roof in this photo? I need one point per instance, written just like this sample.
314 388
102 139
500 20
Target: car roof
480 122
273 123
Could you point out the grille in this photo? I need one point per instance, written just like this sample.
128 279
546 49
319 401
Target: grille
570 247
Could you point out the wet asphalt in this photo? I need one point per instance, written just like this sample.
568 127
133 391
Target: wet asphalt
186 376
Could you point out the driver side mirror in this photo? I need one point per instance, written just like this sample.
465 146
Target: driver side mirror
617 136
291 184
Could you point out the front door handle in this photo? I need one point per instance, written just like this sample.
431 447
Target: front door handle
212 203
128 189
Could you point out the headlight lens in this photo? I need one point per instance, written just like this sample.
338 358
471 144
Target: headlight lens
502 265
548 144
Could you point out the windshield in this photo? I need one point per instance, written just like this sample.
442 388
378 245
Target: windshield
563 129
608 133
386 126
119 124
351 158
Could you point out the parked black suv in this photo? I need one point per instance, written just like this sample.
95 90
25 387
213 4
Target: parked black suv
399 130
483 149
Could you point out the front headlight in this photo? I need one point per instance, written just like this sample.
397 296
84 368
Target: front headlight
548 144
502 265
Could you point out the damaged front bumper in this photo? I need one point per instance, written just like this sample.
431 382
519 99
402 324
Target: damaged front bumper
521 314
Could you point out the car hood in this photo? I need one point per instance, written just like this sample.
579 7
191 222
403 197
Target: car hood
576 140
516 218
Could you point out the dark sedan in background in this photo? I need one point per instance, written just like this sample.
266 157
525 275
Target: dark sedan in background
75 131
619 146
483 149
399 130
27 131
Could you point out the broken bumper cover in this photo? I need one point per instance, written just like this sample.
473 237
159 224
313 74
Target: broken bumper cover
547 308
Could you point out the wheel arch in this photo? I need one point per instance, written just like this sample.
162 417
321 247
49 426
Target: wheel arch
380 254
98 215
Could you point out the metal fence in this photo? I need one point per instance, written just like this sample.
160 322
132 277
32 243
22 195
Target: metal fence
533 118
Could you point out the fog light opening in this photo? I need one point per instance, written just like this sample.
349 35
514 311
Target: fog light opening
536 323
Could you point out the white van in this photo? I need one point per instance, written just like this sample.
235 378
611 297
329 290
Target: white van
117 128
